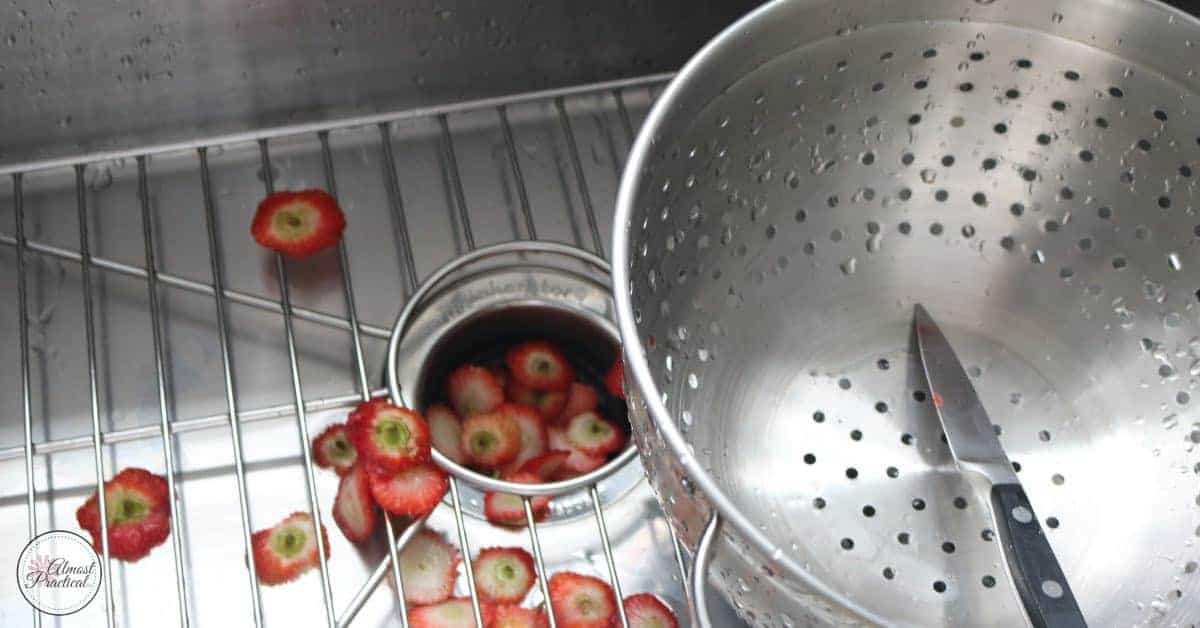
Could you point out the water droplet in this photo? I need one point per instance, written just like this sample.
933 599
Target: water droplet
1154 291
849 266
928 175
874 242
1170 422
1056 17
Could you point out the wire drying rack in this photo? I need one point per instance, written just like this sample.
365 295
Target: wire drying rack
154 180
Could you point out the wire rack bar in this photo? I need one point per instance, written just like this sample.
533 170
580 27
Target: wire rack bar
23 347
90 332
310 476
191 285
235 428
576 165
345 123
181 426
536 542
450 170
598 510
164 392
360 367
518 178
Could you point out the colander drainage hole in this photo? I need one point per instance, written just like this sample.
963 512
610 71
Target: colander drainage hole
948 547
851 473
888 573
919 396
847 544
989 581
819 417
960 503
810 459
902 538
818 503
868 511
939 586
918 504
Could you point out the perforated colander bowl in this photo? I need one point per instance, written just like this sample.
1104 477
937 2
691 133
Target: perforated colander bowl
1024 169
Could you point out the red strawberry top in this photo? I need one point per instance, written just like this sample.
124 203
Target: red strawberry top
138 514
298 224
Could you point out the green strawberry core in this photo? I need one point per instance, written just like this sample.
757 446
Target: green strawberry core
125 506
598 429
585 605
293 222
483 442
340 449
505 571
289 541
543 366
392 434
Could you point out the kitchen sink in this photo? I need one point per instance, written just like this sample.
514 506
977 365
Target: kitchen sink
440 128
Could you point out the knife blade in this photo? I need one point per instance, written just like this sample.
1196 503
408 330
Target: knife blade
968 429
1030 561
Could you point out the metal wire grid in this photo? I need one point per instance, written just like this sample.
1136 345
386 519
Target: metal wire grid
234 417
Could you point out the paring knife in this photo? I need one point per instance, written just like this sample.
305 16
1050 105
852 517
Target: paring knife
1035 572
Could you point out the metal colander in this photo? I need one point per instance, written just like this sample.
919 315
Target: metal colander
1023 168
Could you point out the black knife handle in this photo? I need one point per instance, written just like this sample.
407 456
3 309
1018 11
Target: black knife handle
1040 582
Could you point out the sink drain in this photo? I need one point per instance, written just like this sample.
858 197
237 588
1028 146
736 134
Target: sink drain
479 304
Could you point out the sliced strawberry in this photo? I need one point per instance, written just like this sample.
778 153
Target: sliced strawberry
413 491
533 433
298 224
137 510
446 430
354 508
614 379
592 435
647 611
548 466
491 440
549 403
474 390
389 437
539 365
577 463
581 601
580 398
504 574
500 373
453 613
286 550
510 616
332 449
508 509
428 568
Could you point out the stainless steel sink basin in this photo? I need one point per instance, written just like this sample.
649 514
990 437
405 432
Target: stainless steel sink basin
420 114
